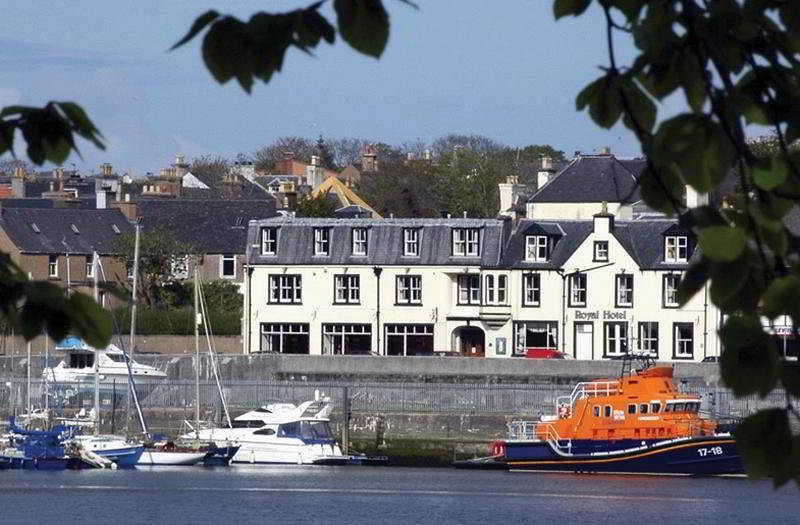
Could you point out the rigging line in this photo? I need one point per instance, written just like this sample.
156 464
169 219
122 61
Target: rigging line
212 354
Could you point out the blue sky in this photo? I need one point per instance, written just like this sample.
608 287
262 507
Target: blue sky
505 69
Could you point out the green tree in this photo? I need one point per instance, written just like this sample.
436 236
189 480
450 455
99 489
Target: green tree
162 258
319 206
325 156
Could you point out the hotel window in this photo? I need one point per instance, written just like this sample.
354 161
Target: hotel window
469 289
285 289
359 241
670 290
531 289
227 266
535 334
648 337
624 290
615 338
344 339
409 339
322 241
347 289
577 289
284 338
409 289
683 340
269 241
537 248
411 242
89 267
466 242
676 248
600 251
52 266
496 289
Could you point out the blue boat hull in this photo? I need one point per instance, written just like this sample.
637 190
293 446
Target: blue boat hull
34 463
701 456
126 457
220 456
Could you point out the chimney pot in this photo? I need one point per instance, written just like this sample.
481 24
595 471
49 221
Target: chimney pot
464 214
127 197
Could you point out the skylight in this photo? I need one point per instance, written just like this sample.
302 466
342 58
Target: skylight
116 229
35 227
74 228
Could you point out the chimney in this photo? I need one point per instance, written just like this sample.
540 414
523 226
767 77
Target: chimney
603 222
18 183
427 154
464 214
369 159
509 192
102 198
180 167
694 199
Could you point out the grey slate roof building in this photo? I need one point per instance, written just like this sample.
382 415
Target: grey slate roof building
385 242
210 226
594 178
53 231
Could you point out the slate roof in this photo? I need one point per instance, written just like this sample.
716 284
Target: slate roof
87 203
210 226
594 178
95 229
644 241
567 234
385 242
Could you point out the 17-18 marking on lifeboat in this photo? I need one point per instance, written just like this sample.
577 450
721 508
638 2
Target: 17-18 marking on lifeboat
705 451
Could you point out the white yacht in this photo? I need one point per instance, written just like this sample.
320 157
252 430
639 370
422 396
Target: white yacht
76 370
281 433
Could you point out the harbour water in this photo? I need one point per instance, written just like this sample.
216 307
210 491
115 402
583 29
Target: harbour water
355 495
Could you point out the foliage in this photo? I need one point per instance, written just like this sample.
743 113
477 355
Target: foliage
178 321
401 188
300 148
319 206
324 154
161 257
210 165
737 64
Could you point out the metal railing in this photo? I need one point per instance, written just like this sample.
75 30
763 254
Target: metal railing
588 389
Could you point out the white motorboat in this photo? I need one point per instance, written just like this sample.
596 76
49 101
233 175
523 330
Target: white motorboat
281 433
76 371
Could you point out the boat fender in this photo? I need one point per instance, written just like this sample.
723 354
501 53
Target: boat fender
498 448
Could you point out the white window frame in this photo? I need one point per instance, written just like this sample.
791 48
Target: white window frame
531 289
578 284
285 289
624 290
331 332
680 344
676 248
466 242
496 289
347 289
408 289
360 241
281 330
52 266
322 241
411 242
222 259
269 241
405 331
618 338
469 289
647 341
670 290
601 251
537 248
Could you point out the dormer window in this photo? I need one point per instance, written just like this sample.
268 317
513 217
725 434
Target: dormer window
600 251
116 229
322 241
411 242
466 242
537 248
52 266
35 227
676 248
360 241
74 228
269 241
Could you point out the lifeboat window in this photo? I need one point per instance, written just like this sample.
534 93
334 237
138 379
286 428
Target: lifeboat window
607 411
643 408
680 407
668 408
655 408
596 411
631 409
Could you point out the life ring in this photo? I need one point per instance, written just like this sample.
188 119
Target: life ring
498 448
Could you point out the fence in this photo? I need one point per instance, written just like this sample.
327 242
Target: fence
431 398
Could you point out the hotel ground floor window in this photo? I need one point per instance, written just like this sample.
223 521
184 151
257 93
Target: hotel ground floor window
535 334
352 339
683 340
615 339
284 338
409 339
648 337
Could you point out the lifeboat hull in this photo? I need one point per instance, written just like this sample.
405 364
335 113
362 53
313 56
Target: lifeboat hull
700 456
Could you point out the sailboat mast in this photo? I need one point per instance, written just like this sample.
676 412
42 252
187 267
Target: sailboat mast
28 389
96 365
133 322
196 352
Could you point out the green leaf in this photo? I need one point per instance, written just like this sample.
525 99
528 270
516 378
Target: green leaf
606 108
563 8
749 361
364 24
226 52
768 174
200 22
765 442
693 280
89 320
630 8
727 279
783 297
722 243
661 188
642 109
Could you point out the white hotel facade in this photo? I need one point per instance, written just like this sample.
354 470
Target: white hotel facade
592 288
